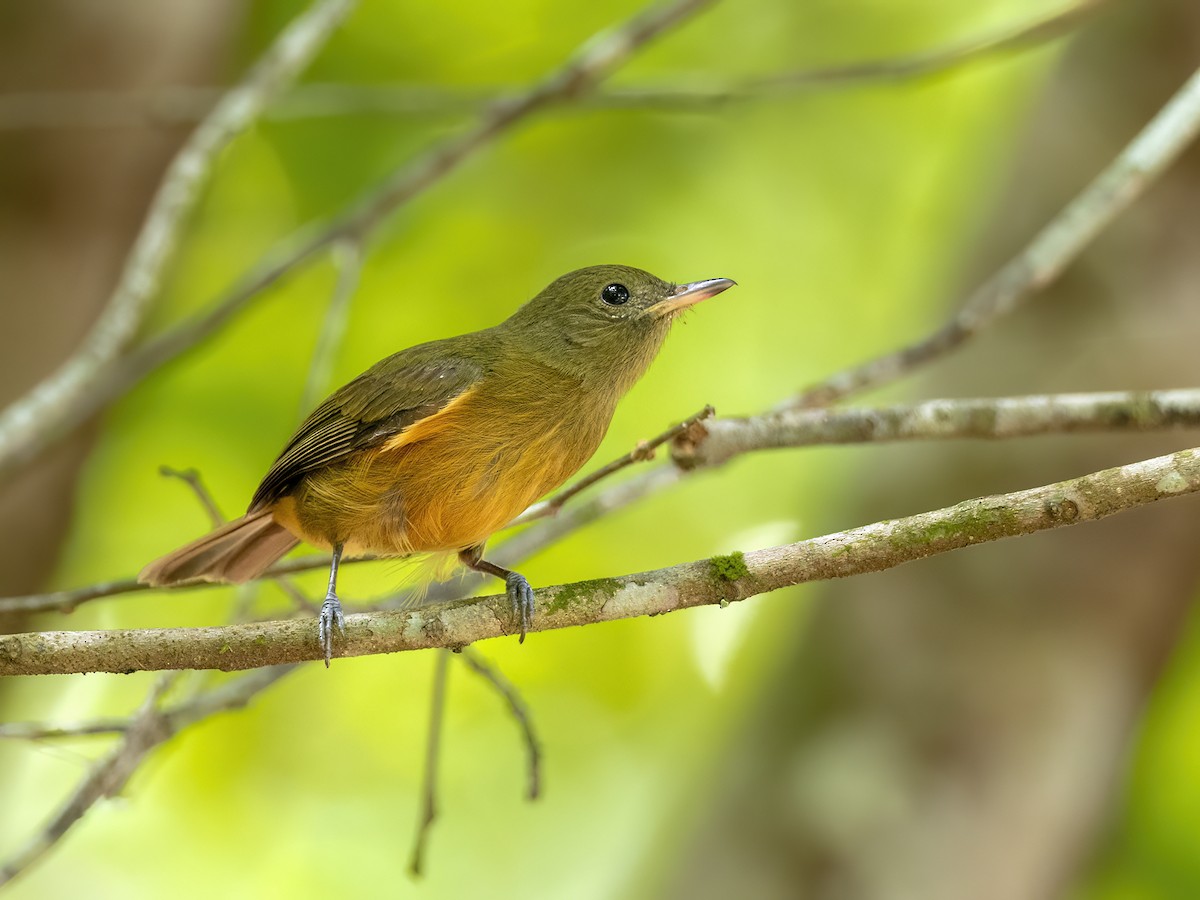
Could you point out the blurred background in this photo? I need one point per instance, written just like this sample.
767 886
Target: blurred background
1018 720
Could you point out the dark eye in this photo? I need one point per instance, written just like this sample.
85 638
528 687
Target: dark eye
615 294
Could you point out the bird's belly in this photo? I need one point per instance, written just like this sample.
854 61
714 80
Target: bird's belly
447 492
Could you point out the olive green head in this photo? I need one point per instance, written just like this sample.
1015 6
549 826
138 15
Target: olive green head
605 322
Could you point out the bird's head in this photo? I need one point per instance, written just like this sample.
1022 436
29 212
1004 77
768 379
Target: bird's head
605 322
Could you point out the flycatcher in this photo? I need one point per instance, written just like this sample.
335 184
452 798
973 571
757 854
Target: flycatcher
441 445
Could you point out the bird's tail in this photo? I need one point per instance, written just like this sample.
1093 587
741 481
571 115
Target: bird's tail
236 552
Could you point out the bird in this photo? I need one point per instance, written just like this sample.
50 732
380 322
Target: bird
437 447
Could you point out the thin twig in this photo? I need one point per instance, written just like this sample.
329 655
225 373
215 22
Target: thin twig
228 696
1041 262
643 452
870 548
106 779
300 600
170 106
433 743
939 60
48 411
193 479
66 601
348 260
134 750
148 728
595 60
591 63
36 731
519 710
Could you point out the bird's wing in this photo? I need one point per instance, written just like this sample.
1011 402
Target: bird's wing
372 409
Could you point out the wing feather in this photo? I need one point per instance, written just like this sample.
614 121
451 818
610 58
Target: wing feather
369 411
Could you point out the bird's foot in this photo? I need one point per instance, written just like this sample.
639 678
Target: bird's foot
331 614
521 595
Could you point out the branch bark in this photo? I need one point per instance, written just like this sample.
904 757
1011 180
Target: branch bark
106 778
33 423
719 440
870 548
699 443
1041 262
45 414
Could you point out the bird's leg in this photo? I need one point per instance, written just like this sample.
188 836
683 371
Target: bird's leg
520 594
331 609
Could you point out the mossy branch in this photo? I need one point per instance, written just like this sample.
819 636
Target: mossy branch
702 442
869 548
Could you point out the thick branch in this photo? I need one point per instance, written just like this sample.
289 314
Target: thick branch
1041 262
870 548
44 414
718 440
699 442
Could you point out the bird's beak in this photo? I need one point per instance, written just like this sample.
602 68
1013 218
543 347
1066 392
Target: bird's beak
686 295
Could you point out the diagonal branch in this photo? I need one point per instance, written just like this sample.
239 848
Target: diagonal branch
643 452
33 424
193 479
870 548
45 413
520 712
181 104
348 260
429 779
705 443
1041 262
993 418
932 62
107 778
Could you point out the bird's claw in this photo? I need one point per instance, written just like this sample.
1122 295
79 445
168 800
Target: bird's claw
331 614
521 595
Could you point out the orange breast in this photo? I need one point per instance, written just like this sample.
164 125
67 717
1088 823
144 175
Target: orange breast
452 479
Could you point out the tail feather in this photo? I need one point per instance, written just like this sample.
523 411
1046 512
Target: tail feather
235 552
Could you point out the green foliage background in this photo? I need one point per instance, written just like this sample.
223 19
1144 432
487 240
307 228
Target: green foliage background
846 217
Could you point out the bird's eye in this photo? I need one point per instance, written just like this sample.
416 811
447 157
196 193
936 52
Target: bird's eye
615 294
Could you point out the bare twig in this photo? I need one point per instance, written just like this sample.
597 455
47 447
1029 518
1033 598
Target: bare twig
148 728
992 418
36 731
49 411
586 68
870 548
348 259
714 441
643 452
22 434
183 104
520 712
106 779
939 60
228 696
437 709
134 750
192 478
1054 248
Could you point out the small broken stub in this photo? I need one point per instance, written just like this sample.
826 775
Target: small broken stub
1062 510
